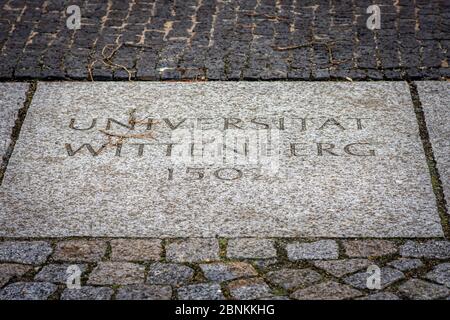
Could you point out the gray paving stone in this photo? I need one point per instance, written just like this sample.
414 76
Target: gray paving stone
28 252
169 273
322 249
251 248
201 291
144 292
27 291
380 296
423 290
293 278
136 249
12 97
249 289
87 293
264 263
193 250
434 249
369 248
328 290
122 273
440 274
339 268
224 271
405 264
80 250
56 273
388 277
434 96
374 167
11 270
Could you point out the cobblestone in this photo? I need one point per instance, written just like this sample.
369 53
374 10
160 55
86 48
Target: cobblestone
56 273
28 291
144 292
423 290
228 40
220 272
135 250
28 252
80 250
193 250
404 264
109 273
380 296
430 249
388 276
87 293
251 249
249 289
292 278
322 249
169 273
329 290
11 270
440 274
369 248
201 291
339 268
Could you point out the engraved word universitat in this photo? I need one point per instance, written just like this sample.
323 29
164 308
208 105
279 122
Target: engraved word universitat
190 136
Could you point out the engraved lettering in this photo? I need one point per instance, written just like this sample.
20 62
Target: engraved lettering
72 125
94 153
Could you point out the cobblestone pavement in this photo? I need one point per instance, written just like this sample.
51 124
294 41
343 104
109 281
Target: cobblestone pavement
224 40
210 268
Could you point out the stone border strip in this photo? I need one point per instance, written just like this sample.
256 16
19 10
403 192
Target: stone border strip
16 129
436 181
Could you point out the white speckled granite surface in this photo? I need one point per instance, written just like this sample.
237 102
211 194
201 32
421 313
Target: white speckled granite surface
46 192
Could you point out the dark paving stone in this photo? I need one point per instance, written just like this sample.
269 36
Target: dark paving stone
144 292
440 274
293 278
28 252
56 273
329 290
404 264
423 290
219 272
87 293
380 296
80 250
201 291
267 41
10 270
27 291
434 249
169 273
388 277
249 289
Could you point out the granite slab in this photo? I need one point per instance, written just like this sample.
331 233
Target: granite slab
231 159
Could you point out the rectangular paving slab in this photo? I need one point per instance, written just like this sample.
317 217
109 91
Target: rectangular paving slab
435 98
285 159
12 97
